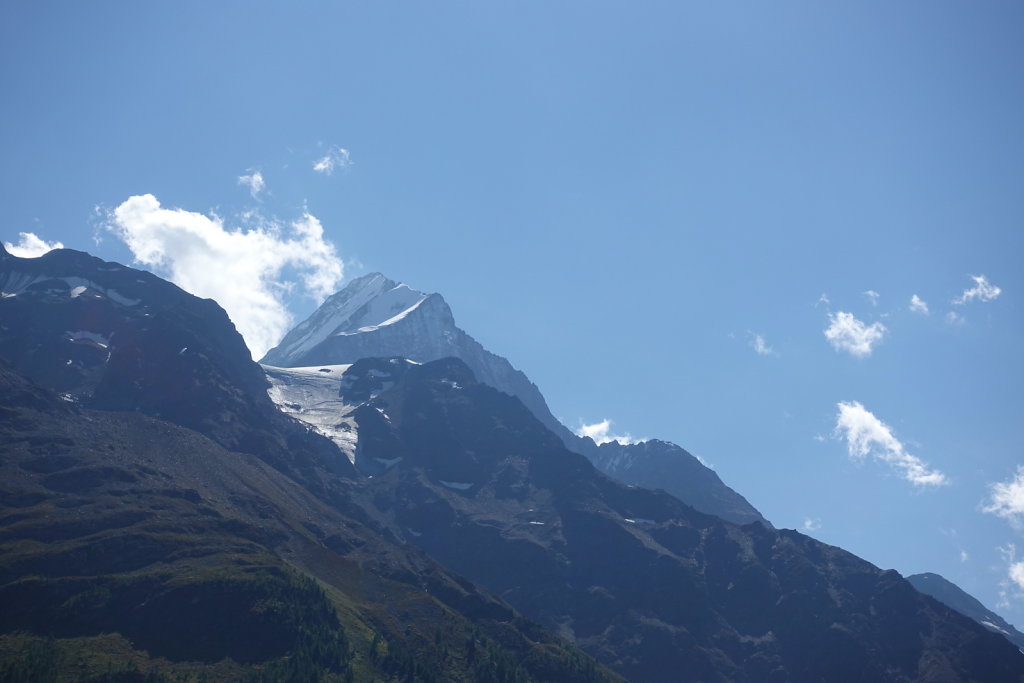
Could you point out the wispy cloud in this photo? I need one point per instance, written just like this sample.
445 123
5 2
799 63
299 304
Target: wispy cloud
811 524
760 346
866 435
1014 575
248 270
31 246
964 557
336 157
846 333
982 290
954 318
873 296
600 432
917 305
1006 499
254 181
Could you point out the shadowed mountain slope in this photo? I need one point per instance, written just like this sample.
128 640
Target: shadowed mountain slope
233 542
950 594
117 338
135 544
154 550
643 582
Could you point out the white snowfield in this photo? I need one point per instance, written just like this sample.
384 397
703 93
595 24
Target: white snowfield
378 302
312 395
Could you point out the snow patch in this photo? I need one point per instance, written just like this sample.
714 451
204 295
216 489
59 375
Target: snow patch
16 283
313 396
78 285
457 485
992 626
88 337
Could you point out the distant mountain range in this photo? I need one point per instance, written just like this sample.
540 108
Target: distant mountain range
163 516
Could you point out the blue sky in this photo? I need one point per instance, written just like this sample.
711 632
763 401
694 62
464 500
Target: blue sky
618 198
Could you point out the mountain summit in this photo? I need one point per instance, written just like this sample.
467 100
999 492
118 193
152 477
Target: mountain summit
374 316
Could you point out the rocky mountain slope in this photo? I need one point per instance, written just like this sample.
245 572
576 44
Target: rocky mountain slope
950 594
134 548
377 317
650 586
117 338
143 537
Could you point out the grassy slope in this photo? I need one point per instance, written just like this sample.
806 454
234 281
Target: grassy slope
131 549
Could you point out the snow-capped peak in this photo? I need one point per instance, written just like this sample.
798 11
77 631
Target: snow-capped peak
364 305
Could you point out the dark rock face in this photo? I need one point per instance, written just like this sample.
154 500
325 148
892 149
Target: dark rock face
117 338
133 539
355 324
951 595
643 582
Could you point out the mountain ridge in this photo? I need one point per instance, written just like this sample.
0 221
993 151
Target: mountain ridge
642 581
948 593
476 514
426 331
167 551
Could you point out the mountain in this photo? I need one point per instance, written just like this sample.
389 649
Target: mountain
116 338
141 539
643 582
948 593
168 546
377 317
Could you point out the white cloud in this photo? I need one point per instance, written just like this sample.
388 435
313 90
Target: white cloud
964 557
846 333
600 432
1006 499
982 290
247 271
254 181
917 305
1014 572
866 435
823 299
872 296
336 157
760 346
811 524
31 246
954 318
